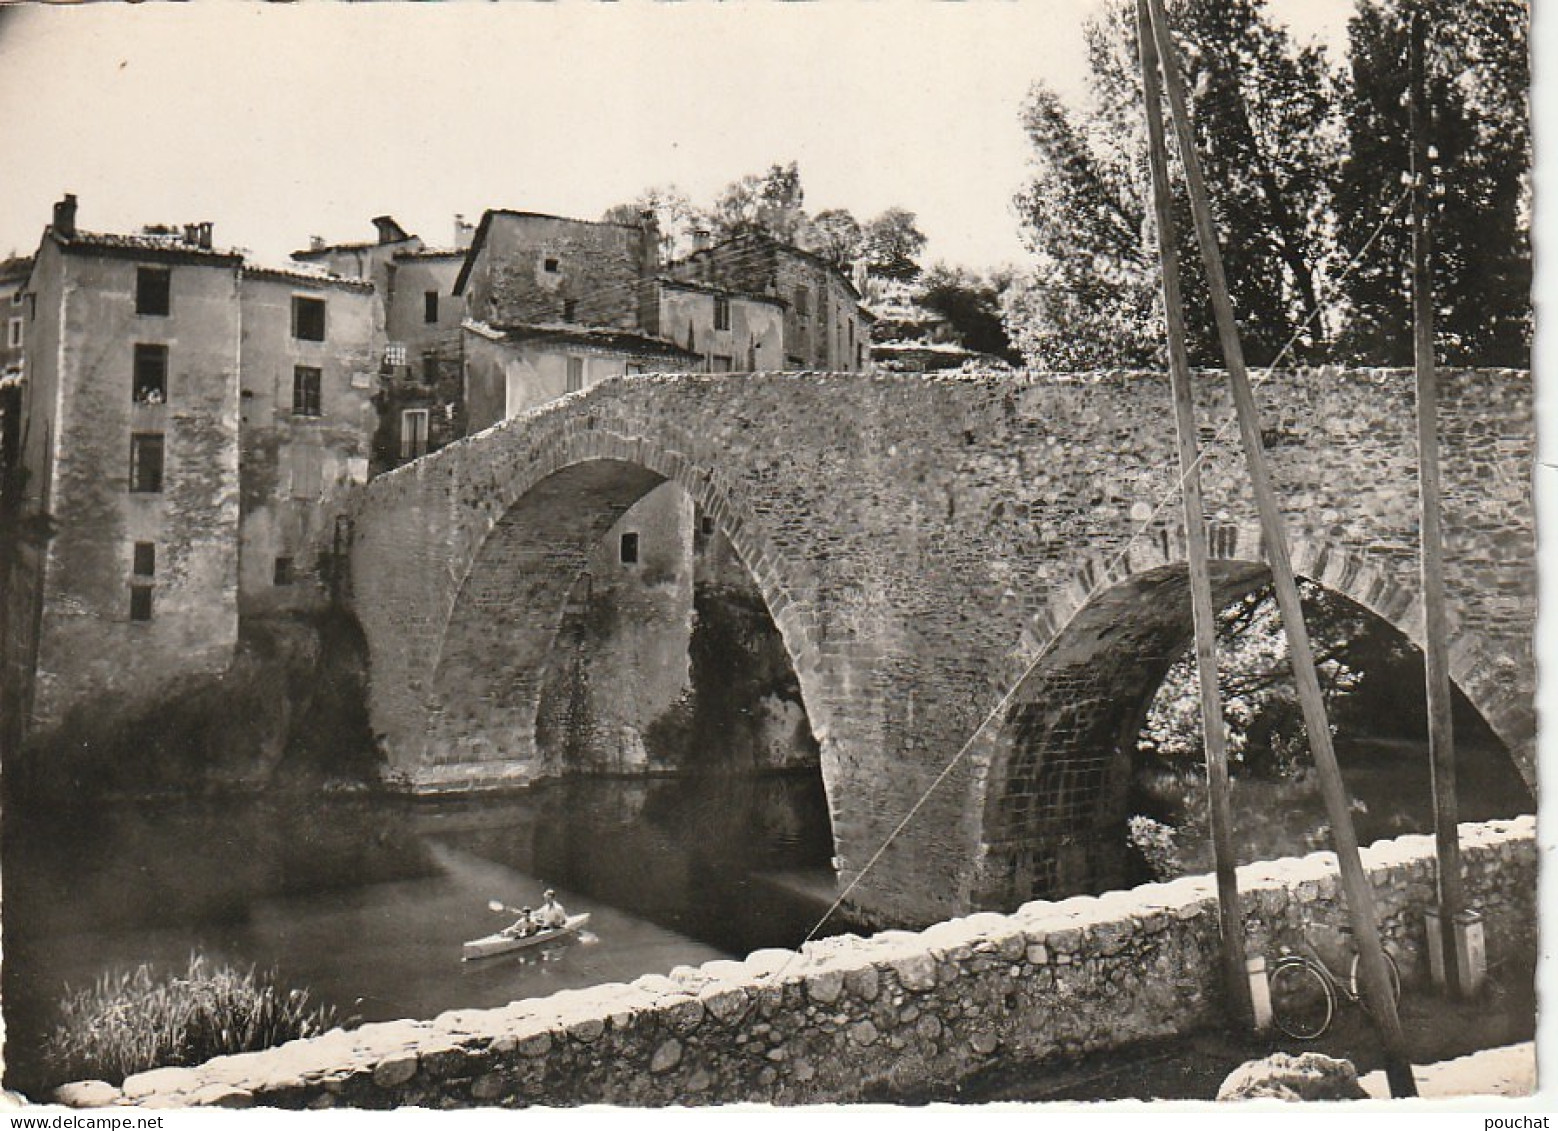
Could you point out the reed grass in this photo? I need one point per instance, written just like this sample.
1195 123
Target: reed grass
130 1021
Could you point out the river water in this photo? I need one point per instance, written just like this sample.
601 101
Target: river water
366 901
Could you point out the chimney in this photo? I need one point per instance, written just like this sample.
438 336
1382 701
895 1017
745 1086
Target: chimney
389 230
648 314
649 243
316 243
203 234
700 239
464 232
65 216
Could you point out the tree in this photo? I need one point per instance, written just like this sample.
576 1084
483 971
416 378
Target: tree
673 212
836 236
769 204
1477 74
971 305
1265 135
1260 701
1088 298
891 243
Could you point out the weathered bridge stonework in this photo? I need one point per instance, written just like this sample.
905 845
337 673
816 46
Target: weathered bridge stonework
850 1019
920 542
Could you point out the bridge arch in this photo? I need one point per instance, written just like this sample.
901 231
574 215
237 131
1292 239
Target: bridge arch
504 614
1053 808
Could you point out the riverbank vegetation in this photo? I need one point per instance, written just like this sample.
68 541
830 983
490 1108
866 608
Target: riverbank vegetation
290 711
1372 680
130 1021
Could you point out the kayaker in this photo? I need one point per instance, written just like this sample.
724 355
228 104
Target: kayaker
524 926
551 915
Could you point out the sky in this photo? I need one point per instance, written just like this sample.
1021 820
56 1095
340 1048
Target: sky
278 122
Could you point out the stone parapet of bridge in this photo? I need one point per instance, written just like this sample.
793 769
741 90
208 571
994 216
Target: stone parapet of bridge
979 579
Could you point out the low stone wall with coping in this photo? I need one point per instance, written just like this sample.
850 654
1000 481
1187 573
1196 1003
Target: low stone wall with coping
850 1019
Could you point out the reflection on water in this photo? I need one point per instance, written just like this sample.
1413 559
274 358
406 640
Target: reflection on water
366 902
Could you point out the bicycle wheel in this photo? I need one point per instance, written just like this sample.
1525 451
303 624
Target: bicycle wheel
1302 1000
1355 981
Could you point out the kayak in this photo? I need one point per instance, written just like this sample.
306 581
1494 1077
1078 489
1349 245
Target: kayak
502 943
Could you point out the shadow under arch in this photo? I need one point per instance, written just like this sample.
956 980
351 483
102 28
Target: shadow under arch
1053 806
501 627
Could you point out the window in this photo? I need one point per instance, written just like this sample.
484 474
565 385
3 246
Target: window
308 318
16 299
413 433
550 265
305 390
283 574
721 313
308 471
140 602
151 374
146 461
145 559
575 374
803 301
430 306
153 290
629 548
721 363
395 353
633 367
569 307
429 367
14 337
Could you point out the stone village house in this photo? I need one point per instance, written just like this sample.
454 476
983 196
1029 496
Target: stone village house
190 427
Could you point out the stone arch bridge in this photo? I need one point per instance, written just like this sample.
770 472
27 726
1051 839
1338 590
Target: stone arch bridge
920 542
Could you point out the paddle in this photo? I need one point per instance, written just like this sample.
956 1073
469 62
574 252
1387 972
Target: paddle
498 905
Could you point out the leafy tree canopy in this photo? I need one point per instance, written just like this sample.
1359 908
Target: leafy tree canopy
1303 160
1477 75
1267 137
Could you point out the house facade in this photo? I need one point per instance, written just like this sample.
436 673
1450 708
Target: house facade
528 267
511 370
188 421
13 281
421 394
309 368
724 331
824 325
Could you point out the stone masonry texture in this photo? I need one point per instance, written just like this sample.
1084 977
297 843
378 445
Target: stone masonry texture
849 1019
973 576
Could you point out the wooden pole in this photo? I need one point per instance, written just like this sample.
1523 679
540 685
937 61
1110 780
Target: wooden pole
1355 883
1441 733
1202 613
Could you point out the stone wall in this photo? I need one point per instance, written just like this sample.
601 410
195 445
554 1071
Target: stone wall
620 661
850 1019
93 654
534 268
923 544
